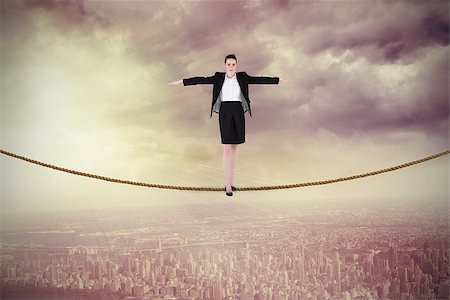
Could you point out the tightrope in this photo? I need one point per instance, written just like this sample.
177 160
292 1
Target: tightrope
217 189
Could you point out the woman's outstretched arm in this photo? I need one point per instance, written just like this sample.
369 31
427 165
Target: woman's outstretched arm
194 80
177 82
199 80
262 80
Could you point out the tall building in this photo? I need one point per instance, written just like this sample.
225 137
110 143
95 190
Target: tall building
128 285
403 279
393 255
148 267
11 273
301 269
98 270
320 259
302 250
338 266
142 271
136 265
329 270
217 290
127 264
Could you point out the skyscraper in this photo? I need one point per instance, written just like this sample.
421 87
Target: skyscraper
338 266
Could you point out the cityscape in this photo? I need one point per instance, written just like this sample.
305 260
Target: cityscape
230 251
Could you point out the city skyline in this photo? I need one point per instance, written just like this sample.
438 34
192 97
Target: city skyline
309 252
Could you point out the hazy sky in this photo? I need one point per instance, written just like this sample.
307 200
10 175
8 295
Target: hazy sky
84 86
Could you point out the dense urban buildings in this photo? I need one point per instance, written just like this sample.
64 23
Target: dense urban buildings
234 252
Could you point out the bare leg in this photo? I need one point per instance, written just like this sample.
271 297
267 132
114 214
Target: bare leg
233 162
227 152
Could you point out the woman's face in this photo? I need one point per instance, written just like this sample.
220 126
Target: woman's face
230 65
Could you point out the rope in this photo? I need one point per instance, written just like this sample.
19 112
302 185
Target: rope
211 189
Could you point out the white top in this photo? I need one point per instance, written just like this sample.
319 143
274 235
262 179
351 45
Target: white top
231 91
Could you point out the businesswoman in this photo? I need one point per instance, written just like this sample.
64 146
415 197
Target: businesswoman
230 100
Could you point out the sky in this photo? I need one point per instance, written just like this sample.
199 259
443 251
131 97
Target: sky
84 86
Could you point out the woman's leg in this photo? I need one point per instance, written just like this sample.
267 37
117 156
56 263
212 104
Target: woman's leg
227 153
233 162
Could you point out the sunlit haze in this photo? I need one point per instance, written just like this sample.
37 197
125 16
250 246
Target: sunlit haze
84 86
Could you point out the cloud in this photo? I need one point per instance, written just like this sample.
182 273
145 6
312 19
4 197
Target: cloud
85 84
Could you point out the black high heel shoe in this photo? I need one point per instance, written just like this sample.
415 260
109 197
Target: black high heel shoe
228 193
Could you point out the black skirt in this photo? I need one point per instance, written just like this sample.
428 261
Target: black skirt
232 122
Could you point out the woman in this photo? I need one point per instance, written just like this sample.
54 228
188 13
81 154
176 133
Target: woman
230 100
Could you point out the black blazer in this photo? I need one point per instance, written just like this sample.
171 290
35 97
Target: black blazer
242 77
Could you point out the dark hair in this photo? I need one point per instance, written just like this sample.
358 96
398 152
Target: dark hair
230 56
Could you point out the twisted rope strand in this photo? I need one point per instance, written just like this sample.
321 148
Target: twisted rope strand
215 189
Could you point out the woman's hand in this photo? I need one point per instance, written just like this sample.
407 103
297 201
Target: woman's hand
286 80
176 82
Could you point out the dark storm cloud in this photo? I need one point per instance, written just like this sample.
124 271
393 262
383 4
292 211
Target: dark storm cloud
393 30
386 34
68 14
191 38
342 103
166 28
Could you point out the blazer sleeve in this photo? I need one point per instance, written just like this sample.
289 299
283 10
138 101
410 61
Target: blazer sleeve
199 80
262 80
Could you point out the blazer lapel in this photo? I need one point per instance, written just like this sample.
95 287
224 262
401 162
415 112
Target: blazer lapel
219 86
243 86
215 106
221 81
